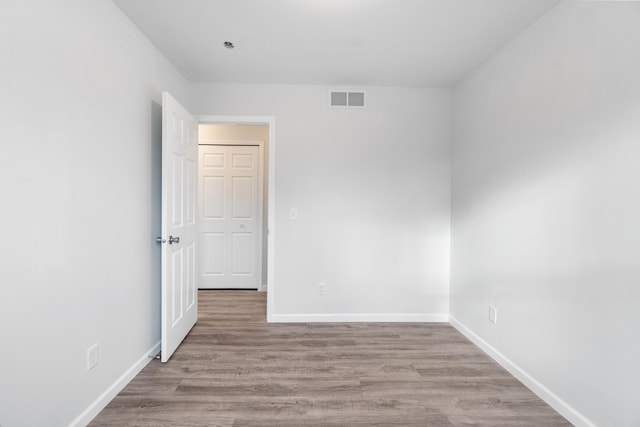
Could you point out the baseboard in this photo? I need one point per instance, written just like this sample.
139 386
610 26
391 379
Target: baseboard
562 407
383 317
103 400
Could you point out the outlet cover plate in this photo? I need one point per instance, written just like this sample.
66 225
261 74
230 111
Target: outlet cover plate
92 357
493 314
322 288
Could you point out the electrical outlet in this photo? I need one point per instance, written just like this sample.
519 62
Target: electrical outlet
493 314
293 214
92 357
322 288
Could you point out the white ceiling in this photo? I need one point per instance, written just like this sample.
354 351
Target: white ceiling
423 43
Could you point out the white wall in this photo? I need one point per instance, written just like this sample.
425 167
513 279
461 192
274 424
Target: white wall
372 190
79 179
546 201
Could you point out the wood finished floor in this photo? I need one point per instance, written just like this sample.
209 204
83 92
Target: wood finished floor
234 370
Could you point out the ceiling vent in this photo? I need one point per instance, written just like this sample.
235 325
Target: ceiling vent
346 99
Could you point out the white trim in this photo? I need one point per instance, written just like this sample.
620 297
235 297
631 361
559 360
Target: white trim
552 399
364 317
230 142
261 166
271 185
112 391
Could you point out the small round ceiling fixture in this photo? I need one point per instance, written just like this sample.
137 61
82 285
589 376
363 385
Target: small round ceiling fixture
228 45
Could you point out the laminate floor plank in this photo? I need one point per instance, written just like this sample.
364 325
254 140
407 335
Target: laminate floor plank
235 370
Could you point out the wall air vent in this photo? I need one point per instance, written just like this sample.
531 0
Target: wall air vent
346 99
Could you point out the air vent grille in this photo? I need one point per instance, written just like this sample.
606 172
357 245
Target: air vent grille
347 99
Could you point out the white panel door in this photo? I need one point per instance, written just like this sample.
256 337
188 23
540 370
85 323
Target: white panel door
179 230
230 216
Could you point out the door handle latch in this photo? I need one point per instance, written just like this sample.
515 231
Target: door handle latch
172 240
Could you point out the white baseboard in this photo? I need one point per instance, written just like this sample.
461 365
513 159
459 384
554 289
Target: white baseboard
103 400
383 317
562 407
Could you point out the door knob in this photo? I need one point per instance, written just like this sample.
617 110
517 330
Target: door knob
174 239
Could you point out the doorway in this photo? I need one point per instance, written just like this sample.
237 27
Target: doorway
232 207
268 176
178 235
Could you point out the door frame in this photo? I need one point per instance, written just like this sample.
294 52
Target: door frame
270 163
261 165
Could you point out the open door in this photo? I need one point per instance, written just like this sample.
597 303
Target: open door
179 229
